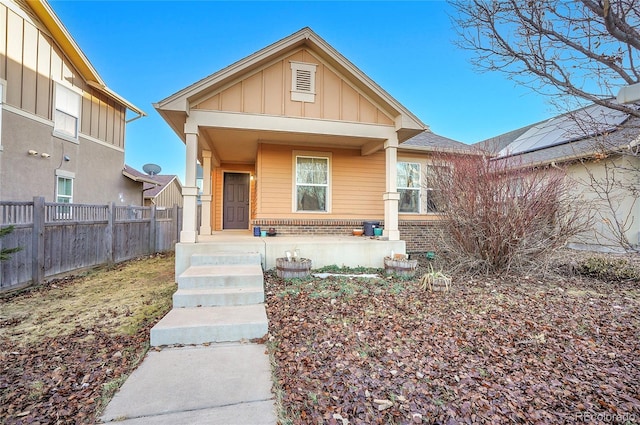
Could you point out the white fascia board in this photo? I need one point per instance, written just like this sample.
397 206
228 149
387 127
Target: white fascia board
259 122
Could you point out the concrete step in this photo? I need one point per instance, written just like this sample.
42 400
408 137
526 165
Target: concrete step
202 325
221 276
226 258
218 297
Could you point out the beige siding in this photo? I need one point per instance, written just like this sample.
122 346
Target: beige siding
217 181
267 91
171 195
30 62
627 208
356 183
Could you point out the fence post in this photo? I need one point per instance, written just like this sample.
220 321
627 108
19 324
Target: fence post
109 237
37 238
153 231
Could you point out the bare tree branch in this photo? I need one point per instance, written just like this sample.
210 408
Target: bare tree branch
585 49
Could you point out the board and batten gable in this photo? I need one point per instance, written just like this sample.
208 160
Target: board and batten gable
31 64
33 67
267 91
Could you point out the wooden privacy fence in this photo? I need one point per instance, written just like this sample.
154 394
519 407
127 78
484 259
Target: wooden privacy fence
57 237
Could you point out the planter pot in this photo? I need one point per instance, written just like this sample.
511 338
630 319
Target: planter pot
293 269
401 267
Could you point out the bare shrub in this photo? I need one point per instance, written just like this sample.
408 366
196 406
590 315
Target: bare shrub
501 217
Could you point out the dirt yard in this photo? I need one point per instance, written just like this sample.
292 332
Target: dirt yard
67 346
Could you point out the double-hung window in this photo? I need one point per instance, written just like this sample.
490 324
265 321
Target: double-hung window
409 187
312 183
67 112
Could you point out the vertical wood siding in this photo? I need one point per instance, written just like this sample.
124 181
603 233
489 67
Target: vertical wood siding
267 91
31 63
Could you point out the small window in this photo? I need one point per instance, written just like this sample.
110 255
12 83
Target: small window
303 82
409 187
67 112
312 183
64 195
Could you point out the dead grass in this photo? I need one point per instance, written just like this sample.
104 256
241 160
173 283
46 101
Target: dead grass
119 299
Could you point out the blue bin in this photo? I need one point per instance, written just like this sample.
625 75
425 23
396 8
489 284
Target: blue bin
256 230
369 226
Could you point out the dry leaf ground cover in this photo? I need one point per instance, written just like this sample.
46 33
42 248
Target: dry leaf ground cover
492 350
66 346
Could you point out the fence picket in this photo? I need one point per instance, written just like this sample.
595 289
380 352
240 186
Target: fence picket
58 237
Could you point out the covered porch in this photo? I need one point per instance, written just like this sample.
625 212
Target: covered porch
350 251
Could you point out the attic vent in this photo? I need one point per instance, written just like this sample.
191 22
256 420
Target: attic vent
303 81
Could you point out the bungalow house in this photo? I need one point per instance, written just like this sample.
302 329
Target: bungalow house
62 130
600 150
297 138
165 193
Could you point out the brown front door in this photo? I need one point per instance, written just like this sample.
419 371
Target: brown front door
236 201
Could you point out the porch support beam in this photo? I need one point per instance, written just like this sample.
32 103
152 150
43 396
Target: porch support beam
259 122
190 189
391 196
205 216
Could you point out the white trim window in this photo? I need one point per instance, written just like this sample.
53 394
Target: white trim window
408 186
66 112
64 195
311 184
303 81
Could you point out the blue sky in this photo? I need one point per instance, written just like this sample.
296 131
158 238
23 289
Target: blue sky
148 50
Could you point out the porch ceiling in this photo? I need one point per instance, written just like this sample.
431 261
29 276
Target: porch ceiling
241 145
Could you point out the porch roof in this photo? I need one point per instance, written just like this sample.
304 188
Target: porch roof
246 130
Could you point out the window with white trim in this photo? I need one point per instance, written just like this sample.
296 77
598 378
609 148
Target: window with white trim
408 185
67 112
64 195
312 183
303 82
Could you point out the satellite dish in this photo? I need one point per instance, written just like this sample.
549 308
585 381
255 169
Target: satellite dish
151 169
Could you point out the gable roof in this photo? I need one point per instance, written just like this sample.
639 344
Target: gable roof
429 141
137 176
161 183
63 38
180 101
573 135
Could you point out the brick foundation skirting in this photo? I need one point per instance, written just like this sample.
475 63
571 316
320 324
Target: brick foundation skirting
420 236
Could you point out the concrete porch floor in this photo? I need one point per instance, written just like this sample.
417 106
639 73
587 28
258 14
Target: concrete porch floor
350 251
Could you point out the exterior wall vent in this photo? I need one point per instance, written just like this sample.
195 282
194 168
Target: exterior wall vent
303 82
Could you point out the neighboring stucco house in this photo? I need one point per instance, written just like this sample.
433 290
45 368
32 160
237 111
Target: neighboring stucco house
600 150
62 132
296 137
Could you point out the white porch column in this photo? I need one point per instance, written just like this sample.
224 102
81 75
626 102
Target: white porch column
190 189
391 196
205 198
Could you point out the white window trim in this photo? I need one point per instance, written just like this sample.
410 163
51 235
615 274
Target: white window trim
303 95
71 113
294 193
418 188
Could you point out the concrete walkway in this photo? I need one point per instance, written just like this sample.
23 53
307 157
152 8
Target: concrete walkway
222 383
